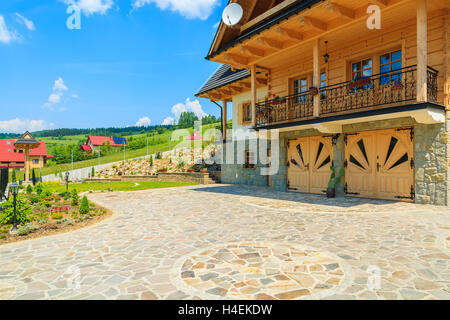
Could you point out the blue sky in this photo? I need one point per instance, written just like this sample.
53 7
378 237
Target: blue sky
131 60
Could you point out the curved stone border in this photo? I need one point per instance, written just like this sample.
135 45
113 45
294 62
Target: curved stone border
177 270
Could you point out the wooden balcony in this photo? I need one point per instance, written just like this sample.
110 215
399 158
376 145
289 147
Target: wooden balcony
380 91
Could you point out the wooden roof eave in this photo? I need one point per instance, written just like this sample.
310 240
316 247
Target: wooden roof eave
320 20
227 92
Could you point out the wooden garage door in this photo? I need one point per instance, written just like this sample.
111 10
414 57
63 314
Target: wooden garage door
309 162
379 164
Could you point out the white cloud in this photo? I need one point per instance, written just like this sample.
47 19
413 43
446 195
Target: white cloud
55 97
143 122
6 35
75 96
28 23
189 106
190 9
89 7
59 85
21 125
168 121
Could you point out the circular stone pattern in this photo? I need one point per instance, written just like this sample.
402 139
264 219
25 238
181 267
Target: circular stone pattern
261 271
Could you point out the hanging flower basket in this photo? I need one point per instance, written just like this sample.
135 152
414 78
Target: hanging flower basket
359 83
313 91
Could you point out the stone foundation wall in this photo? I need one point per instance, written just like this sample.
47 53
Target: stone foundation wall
432 159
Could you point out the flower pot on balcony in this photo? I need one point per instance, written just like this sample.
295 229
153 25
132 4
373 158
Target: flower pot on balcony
313 91
397 87
204 170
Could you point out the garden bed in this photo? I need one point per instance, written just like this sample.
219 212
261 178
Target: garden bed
42 212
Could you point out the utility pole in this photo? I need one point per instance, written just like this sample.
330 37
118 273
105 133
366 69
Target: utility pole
72 160
147 144
98 155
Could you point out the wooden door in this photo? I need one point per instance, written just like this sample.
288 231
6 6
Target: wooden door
321 159
395 170
298 169
379 164
310 159
360 164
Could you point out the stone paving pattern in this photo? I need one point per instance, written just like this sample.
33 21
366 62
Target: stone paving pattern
149 248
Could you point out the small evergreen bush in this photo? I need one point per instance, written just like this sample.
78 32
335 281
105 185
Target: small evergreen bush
84 207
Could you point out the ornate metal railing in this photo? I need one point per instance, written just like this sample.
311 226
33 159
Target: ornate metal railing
280 109
381 90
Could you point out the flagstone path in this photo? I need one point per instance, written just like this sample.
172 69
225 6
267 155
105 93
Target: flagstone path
237 242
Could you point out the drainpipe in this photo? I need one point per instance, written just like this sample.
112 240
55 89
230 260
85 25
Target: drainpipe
221 115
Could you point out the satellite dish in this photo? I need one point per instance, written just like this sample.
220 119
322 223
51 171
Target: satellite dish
232 14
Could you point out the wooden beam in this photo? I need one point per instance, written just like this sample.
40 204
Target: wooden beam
246 84
272 43
341 11
313 23
381 3
261 81
236 88
291 34
253 79
316 76
236 58
422 62
252 51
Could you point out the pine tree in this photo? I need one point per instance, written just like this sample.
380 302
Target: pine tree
13 175
74 199
33 177
84 207
151 161
93 172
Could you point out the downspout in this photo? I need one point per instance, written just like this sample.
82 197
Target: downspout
221 115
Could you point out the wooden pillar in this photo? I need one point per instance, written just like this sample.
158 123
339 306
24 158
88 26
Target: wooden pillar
27 165
316 76
224 120
422 62
253 80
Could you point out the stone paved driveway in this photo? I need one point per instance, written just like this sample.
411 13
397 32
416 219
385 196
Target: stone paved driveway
235 242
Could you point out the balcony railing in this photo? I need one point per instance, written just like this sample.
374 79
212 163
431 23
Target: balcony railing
378 91
281 109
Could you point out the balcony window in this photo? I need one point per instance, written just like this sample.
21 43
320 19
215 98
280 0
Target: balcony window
247 112
35 161
390 62
300 86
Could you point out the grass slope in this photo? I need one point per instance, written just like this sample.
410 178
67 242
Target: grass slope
116 186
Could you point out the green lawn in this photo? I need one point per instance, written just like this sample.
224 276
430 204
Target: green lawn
116 186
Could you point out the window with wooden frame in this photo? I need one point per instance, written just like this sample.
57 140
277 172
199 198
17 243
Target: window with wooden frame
249 159
247 112
390 62
300 86
362 69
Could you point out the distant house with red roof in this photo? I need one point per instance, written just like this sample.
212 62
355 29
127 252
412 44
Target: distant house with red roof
195 136
12 158
94 142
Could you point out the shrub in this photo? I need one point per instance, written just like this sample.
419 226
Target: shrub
74 199
151 161
57 215
33 177
84 207
69 222
23 210
42 221
38 188
29 189
34 199
85 217
26 229
13 175
93 172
